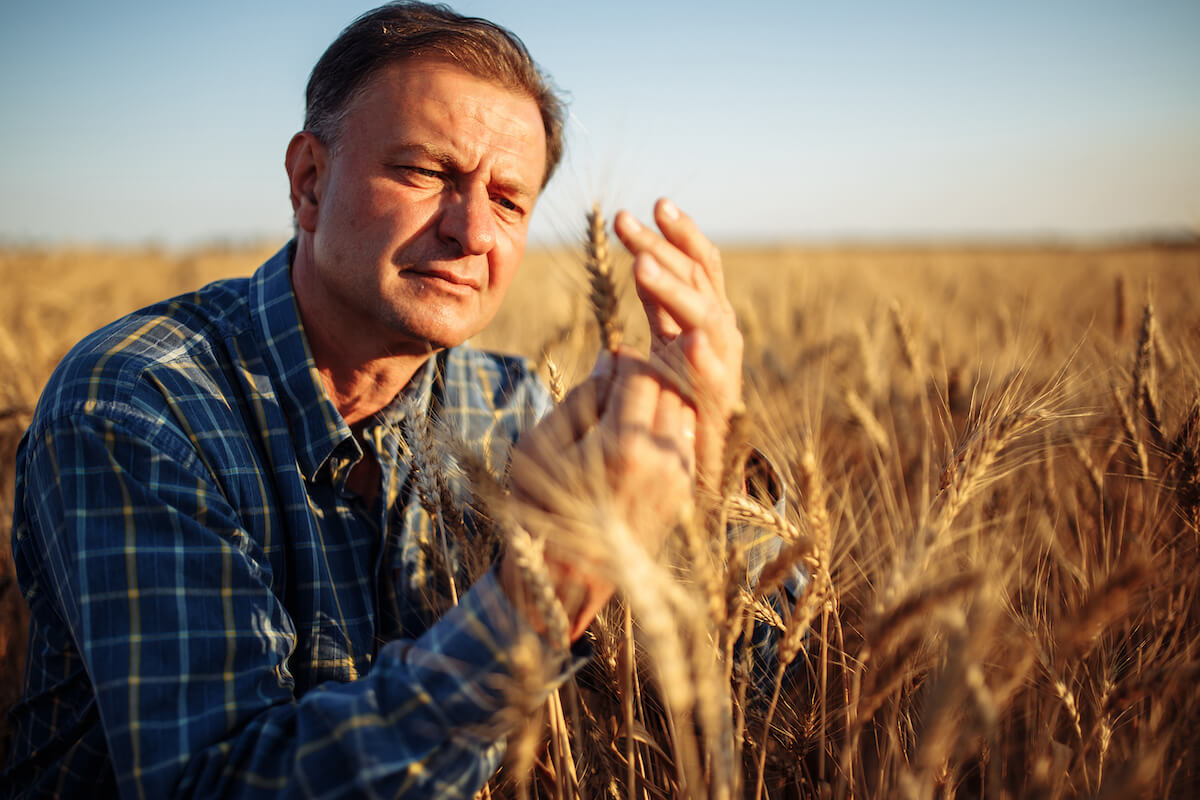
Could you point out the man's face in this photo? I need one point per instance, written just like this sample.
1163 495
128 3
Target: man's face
423 204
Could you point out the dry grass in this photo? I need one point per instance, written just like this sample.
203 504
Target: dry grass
993 483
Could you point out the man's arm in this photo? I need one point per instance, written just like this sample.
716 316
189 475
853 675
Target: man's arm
187 645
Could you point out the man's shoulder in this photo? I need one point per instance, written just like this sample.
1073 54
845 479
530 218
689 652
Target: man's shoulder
176 341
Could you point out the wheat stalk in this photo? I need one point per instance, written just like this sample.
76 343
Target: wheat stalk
868 422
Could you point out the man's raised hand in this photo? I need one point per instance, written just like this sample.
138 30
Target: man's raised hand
681 284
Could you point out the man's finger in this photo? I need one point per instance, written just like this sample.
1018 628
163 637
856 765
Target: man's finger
675 425
681 231
687 307
663 328
644 241
634 396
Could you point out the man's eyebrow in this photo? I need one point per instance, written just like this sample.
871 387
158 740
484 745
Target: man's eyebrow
446 160
515 188
434 154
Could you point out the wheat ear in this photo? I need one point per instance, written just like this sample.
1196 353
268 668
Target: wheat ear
904 337
1129 425
1145 384
967 471
557 386
603 295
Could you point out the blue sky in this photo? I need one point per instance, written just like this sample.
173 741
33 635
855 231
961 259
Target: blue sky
133 121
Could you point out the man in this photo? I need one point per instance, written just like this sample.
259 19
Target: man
216 524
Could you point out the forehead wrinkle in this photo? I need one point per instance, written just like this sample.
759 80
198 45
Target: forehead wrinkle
502 153
511 139
466 132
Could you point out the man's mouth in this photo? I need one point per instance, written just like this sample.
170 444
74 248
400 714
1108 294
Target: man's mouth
451 277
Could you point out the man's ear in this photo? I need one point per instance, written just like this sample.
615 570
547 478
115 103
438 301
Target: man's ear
306 161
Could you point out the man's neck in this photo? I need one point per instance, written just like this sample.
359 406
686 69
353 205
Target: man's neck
361 373
360 390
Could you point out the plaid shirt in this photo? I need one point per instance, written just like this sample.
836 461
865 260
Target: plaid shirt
213 612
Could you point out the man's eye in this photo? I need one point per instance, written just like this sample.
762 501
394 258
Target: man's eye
506 204
421 172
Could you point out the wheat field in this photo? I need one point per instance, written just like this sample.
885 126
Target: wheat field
990 458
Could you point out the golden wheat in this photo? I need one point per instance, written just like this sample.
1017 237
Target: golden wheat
1003 575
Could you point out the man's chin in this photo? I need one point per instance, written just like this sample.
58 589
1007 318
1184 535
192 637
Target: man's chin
433 340
438 328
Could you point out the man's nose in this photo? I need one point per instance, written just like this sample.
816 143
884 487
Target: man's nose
468 220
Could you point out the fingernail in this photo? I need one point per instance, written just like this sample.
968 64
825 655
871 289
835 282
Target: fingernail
669 209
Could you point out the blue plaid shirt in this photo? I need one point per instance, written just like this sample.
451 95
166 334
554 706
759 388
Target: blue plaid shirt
213 612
